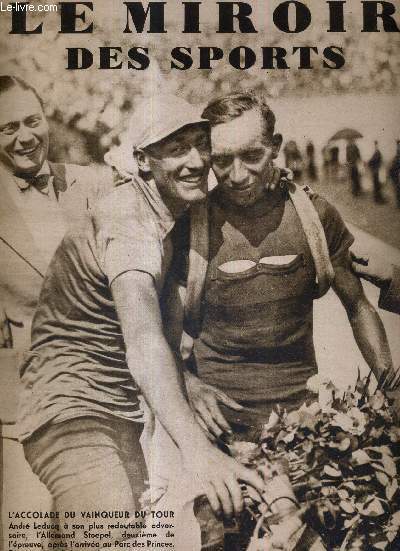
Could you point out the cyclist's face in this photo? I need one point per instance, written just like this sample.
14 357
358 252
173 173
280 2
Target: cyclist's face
180 164
24 132
242 158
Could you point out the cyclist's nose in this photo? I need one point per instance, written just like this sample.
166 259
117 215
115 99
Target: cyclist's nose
238 173
194 159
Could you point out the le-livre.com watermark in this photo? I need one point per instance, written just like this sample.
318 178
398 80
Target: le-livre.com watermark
27 7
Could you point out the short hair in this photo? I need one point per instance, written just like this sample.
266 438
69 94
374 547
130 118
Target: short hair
8 82
229 107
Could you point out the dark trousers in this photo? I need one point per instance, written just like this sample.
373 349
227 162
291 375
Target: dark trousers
355 180
377 186
396 184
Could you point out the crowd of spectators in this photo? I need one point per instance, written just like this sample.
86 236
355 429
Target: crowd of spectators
92 105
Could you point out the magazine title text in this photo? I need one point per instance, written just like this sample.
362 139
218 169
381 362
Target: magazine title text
291 17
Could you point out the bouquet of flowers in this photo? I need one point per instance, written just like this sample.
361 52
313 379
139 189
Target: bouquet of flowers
332 471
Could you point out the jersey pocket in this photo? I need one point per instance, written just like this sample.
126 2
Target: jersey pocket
243 268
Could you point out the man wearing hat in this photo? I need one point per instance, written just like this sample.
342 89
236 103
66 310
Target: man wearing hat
97 336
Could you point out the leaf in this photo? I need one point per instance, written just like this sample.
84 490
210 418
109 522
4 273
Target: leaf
281 435
391 489
315 382
376 433
289 437
377 400
389 465
293 418
395 519
314 408
345 444
331 472
381 450
373 509
308 421
308 446
345 422
360 457
328 491
350 485
394 434
381 544
272 421
391 535
382 478
325 398
347 507
242 450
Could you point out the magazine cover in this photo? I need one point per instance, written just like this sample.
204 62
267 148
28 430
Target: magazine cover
200 275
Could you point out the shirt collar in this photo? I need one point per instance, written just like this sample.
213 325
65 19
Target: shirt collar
45 169
23 184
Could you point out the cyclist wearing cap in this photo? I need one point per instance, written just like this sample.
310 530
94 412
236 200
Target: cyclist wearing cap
97 335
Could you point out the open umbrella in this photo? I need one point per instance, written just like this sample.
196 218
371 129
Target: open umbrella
346 134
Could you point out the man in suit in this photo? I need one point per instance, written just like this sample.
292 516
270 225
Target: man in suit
38 201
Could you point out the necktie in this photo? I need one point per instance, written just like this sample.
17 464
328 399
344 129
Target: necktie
40 182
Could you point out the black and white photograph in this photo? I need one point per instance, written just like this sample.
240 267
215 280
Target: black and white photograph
200 275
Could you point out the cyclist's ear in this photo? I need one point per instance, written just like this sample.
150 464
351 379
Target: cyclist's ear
276 144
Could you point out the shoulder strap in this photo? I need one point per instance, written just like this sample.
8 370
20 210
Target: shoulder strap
198 262
315 235
198 258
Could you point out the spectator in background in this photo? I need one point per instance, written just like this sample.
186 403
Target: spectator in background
353 157
334 156
384 275
294 160
326 156
375 164
310 162
394 173
38 200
